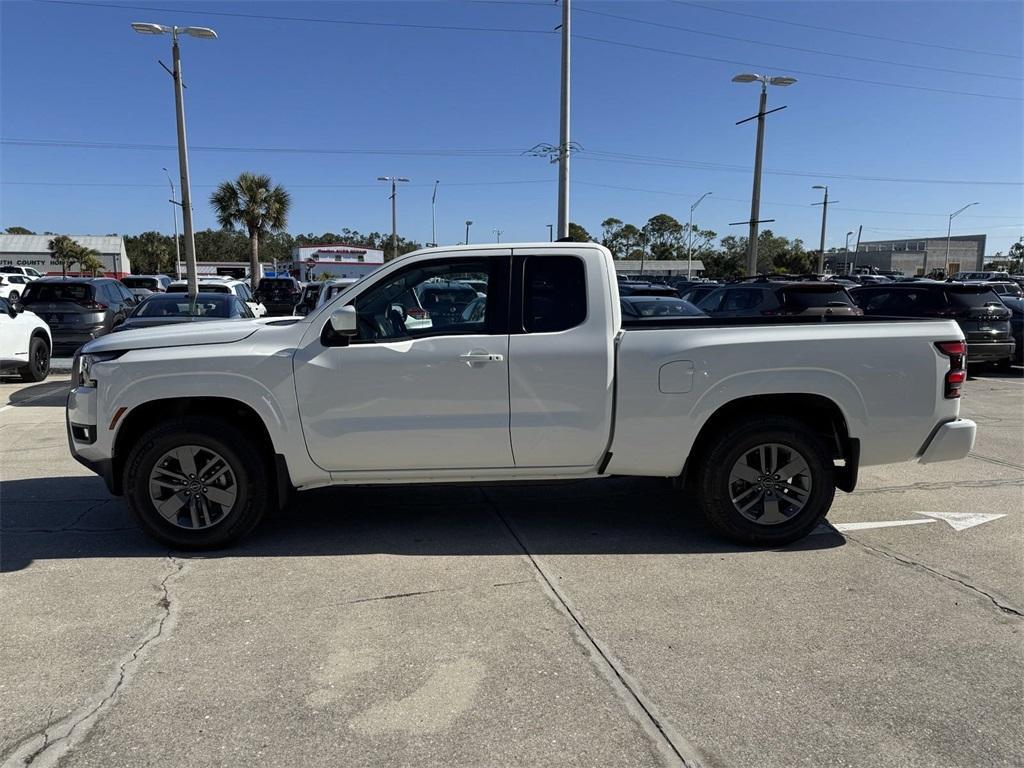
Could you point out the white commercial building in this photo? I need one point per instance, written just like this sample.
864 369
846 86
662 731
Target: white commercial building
34 251
336 260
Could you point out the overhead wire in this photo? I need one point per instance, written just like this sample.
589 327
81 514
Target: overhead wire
902 41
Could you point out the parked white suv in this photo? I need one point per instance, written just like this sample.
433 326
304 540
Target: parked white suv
13 286
25 342
28 272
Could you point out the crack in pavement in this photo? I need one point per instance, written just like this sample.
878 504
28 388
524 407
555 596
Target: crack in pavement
429 592
883 552
999 462
70 526
940 486
672 746
43 749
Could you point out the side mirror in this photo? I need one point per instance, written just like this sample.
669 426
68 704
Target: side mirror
117 321
344 321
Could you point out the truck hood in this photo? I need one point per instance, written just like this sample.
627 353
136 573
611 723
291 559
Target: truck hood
180 335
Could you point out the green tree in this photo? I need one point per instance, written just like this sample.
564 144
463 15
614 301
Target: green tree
254 203
664 235
151 253
578 234
65 252
89 261
610 229
18 231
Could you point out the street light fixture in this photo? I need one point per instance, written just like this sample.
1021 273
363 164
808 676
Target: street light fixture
497 234
755 198
949 230
146 28
433 217
689 237
394 215
468 223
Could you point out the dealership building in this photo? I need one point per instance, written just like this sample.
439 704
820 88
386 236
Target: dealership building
34 251
916 256
336 260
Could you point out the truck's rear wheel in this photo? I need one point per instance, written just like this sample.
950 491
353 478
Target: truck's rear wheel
196 483
766 482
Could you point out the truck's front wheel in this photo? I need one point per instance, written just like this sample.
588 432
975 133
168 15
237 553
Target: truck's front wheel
196 483
766 482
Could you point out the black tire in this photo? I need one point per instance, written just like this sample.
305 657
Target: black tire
738 442
254 492
38 367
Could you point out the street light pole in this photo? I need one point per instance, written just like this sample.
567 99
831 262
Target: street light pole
949 230
848 251
689 237
551 235
755 196
433 217
145 28
394 210
174 218
468 223
563 142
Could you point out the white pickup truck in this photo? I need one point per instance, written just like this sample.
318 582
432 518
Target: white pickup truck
205 429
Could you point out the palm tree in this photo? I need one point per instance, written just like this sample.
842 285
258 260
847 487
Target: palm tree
65 252
253 203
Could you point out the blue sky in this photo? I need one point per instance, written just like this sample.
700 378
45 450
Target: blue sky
359 95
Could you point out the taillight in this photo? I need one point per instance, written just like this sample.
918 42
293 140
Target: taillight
417 313
89 304
956 351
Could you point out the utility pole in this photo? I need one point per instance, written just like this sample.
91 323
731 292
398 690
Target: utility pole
551 235
497 233
433 212
174 217
689 237
824 214
394 210
468 223
856 248
563 142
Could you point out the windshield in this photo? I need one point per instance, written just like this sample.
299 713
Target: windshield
805 299
140 282
206 305
204 287
665 308
76 292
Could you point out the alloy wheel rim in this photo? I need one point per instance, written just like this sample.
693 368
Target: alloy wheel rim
770 484
42 359
193 487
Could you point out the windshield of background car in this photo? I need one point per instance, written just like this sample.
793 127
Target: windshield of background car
971 296
204 287
666 308
804 299
218 305
76 292
141 282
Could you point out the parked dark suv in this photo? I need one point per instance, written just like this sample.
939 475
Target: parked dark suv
770 298
982 317
77 309
278 294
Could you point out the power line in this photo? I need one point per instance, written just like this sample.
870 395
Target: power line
596 155
132 185
305 19
847 31
814 51
797 71
666 162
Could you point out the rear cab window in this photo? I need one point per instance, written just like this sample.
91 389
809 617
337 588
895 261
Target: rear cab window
554 293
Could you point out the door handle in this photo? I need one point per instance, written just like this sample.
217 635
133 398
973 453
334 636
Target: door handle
482 357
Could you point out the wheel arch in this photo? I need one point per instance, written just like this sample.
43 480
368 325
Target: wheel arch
817 412
161 411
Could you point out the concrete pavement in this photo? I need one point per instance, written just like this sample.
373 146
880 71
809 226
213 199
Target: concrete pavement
585 624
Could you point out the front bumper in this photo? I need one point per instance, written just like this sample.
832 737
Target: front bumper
80 422
950 441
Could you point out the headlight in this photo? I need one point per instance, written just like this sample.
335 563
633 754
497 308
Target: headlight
85 365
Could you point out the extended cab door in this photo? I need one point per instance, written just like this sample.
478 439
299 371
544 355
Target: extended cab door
424 385
563 321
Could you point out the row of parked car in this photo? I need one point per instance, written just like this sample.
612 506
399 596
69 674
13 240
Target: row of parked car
74 310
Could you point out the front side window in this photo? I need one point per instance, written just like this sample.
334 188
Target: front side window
554 293
431 299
